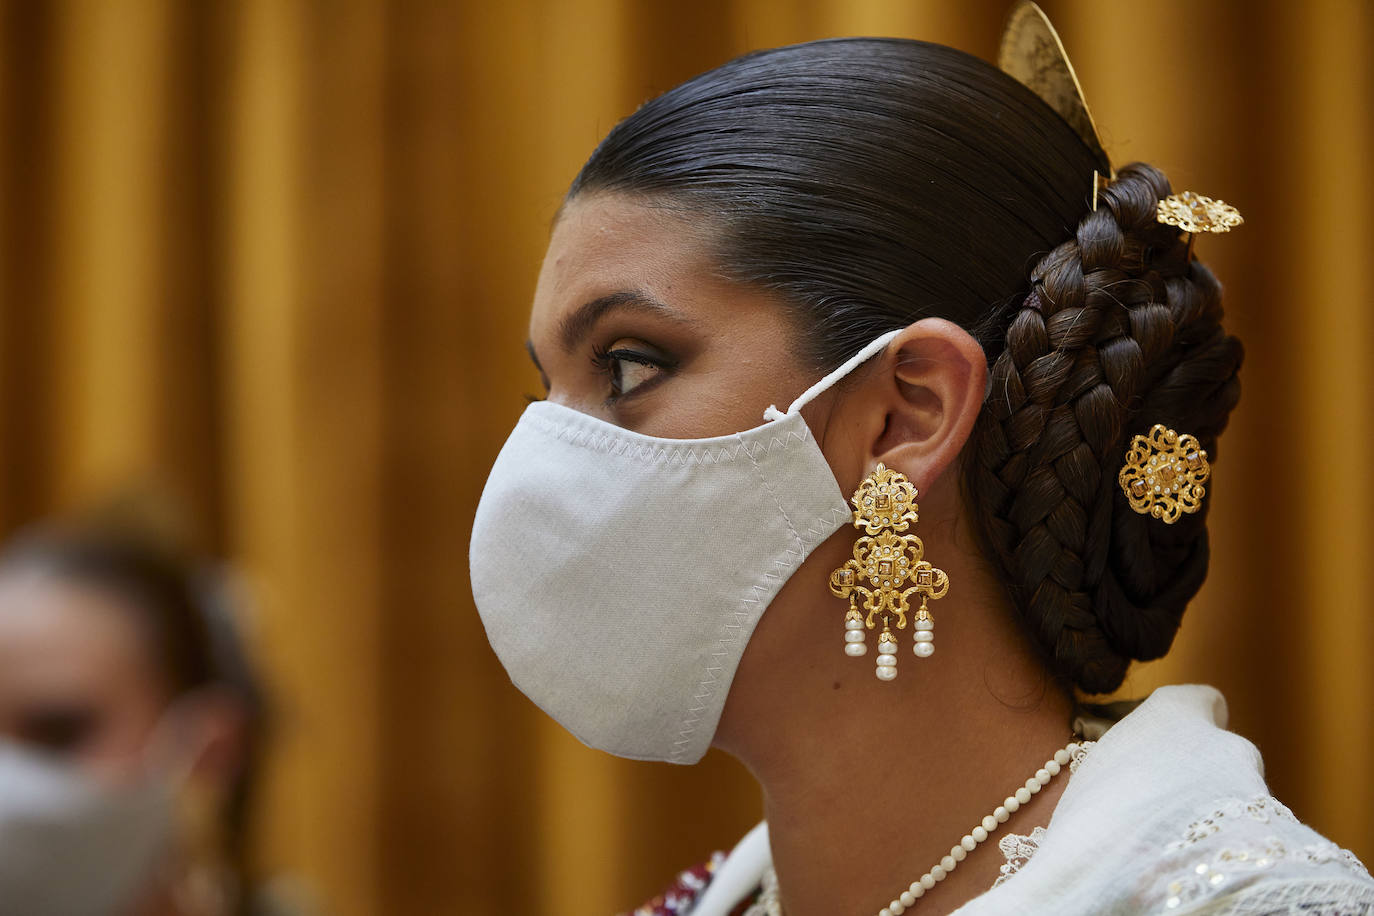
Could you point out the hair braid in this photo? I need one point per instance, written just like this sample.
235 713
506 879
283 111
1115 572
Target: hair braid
1120 331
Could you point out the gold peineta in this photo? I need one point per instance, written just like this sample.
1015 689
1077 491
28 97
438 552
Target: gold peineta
1033 54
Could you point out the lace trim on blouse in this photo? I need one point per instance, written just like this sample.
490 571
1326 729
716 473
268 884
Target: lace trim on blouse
1226 845
1301 897
1017 849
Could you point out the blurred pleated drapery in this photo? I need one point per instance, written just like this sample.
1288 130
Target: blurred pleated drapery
279 254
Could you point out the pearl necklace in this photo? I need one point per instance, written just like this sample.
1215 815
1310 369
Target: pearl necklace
1069 756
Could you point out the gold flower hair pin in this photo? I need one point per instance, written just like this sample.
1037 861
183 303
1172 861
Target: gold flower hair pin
1164 474
1194 213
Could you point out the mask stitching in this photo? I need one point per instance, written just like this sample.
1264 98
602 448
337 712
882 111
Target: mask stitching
818 531
608 443
709 683
763 481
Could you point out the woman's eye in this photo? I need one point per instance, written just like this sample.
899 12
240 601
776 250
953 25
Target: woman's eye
627 369
59 730
628 372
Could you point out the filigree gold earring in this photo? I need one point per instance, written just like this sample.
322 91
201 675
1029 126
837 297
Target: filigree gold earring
893 564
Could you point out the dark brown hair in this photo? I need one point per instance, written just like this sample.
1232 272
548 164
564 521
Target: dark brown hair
869 183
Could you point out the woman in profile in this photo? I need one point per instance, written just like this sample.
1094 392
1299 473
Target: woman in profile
841 341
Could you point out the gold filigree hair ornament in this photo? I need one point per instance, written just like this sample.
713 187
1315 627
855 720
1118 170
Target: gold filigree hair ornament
1164 474
1193 213
893 563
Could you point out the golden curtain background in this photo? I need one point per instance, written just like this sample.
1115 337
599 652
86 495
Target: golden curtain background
278 254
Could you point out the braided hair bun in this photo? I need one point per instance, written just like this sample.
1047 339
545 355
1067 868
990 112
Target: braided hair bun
1121 330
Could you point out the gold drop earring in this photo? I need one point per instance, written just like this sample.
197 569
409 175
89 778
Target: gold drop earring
893 564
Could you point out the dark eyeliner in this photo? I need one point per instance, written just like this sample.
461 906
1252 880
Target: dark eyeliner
603 358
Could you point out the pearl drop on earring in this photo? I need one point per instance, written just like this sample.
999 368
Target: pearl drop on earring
887 656
854 636
924 646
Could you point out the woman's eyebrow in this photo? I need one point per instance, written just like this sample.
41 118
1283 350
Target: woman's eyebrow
573 328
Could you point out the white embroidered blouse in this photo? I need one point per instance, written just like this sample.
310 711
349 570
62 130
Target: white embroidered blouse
1168 814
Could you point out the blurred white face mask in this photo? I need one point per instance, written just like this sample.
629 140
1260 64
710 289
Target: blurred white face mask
619 576
71 846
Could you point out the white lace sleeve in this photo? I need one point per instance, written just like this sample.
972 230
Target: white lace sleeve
1297 897
1251 856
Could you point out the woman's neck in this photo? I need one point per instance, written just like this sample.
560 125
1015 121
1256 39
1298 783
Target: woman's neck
866 813
868 784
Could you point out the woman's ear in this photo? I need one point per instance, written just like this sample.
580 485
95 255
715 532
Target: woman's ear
922 400
216 733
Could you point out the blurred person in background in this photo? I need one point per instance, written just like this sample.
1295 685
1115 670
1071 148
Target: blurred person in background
934 263
131 727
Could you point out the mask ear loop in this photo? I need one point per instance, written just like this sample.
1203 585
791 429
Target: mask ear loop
848 366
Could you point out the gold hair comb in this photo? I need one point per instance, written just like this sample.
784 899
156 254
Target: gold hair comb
1032 53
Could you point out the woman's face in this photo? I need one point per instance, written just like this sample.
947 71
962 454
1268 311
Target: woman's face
76 678
631 324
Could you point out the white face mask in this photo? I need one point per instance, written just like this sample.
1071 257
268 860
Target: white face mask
620 576
71 846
